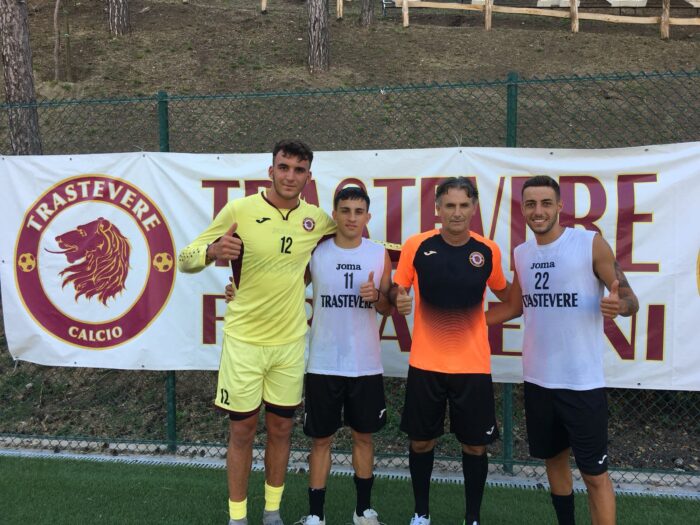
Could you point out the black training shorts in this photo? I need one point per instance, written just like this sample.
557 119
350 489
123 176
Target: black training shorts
360 400
559 418
470 397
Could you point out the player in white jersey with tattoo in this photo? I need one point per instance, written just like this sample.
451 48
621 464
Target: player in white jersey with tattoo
558 286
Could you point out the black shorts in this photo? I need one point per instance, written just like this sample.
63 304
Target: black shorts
558 418
472 410
359 399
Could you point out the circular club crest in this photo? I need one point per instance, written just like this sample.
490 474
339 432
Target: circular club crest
94 261
477 259
309 224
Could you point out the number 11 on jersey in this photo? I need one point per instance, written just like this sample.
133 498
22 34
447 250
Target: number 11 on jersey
348 279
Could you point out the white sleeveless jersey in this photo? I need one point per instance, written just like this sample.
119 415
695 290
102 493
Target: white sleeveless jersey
563 341
344 331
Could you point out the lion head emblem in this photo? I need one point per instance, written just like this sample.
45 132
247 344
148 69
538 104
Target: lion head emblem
101 256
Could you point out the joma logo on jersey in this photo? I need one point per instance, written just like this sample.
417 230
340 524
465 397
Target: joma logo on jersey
348 266
73 271
538 265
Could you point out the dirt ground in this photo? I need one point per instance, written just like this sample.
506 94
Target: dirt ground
217 46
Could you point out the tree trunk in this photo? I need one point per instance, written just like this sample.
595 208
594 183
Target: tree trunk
319 38
367 13
56 43
118 14
69 62
19 78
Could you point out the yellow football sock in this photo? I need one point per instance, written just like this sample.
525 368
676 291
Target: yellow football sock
237 510
273 497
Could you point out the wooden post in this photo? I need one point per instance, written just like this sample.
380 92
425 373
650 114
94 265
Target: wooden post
573 10
263 7
339 9
488 14
404 12
665 16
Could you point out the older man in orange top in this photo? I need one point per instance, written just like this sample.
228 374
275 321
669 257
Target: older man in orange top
449 270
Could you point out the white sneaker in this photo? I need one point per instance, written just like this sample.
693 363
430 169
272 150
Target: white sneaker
272 517
369 517
420 520
310 520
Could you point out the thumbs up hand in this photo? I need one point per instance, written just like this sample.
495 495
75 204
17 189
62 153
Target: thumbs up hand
229 291
610 305
368 291
404 302
227 248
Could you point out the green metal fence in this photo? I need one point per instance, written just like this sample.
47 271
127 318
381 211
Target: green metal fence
654 435
578 112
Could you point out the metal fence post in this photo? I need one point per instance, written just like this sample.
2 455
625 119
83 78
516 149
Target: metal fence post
163 123
512 110
508 428
170 402
164 136
511 142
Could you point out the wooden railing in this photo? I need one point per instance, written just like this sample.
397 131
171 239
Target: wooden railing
664 20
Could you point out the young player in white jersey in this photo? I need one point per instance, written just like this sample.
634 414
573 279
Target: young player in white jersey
558 286
351 277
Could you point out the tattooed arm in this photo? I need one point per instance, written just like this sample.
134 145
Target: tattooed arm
621 300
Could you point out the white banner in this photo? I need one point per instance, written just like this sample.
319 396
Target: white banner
88 245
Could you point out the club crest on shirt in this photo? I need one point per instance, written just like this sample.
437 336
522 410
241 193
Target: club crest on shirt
309 224
476 259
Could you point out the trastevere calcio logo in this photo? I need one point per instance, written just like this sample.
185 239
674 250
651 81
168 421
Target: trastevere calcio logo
94 261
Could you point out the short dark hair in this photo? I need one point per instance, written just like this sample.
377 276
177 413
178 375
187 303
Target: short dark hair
293 148
539 181
354 193
460 183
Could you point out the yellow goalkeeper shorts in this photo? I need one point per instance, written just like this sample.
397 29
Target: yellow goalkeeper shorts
251 374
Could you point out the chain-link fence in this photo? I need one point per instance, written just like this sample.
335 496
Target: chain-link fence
577 112
654 435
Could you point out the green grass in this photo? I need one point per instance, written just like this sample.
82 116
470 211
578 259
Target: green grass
56 492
